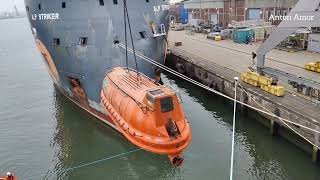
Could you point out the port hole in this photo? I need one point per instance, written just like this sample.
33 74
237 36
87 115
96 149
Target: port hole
83 41
143 34
116 42
63 4
115 1
101 2
56 41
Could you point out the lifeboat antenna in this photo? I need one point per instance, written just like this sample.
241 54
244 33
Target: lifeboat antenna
133 49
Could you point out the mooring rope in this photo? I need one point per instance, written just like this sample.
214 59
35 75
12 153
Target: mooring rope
145 58
284 122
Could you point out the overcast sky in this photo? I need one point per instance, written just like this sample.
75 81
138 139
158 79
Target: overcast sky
7 5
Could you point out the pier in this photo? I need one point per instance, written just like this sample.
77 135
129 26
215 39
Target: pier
216 63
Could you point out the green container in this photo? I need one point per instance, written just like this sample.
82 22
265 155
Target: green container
243 35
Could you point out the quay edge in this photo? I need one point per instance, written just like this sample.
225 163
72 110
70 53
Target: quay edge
221 79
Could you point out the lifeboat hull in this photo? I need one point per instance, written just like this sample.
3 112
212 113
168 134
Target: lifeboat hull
8 178
151 121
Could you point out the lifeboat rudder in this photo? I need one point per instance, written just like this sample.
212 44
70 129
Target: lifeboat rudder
148 114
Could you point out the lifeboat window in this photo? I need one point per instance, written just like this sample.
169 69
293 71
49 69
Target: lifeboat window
101 2
56 41
83 41
63 4
39 6
115 1
166 104
147 1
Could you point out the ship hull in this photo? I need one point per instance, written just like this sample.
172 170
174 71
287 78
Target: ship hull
79 43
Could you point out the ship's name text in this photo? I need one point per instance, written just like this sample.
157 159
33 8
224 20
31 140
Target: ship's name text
159 8
45 16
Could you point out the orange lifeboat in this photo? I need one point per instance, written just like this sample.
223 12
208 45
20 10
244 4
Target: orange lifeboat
148 114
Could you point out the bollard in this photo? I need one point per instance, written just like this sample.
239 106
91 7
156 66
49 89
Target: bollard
275 126
315 150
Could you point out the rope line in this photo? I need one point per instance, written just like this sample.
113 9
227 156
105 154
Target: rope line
125 31
130 32
86 164
101 160
143 57
291 128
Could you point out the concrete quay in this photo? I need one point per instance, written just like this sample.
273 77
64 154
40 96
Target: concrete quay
216 64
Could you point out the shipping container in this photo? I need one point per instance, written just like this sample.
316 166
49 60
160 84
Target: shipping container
314 43
183 14
243 36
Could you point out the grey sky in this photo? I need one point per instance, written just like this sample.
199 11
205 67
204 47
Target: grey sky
7 5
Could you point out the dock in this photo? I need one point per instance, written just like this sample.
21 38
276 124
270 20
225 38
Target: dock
216 63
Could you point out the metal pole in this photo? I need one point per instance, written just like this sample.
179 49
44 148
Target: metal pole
200 9
234 124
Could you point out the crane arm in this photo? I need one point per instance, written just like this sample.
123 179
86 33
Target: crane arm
303 9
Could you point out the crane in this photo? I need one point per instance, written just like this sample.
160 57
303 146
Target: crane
305 14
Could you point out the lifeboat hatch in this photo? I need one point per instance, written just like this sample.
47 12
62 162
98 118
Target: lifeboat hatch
77 90
151 97
166 102
172 129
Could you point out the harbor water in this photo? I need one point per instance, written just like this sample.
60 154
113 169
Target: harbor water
43 134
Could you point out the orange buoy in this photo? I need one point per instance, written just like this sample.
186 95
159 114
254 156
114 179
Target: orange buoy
148 114
9 176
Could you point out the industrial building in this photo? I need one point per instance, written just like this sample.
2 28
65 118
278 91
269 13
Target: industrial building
223 12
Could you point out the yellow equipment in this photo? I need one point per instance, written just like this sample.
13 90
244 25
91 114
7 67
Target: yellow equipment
265 83
217 38
315 67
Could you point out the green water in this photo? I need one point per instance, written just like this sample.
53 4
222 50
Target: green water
42 133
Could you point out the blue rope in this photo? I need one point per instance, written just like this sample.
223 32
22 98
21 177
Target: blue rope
101 160
87 164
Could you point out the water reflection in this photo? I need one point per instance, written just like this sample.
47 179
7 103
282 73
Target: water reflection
80 138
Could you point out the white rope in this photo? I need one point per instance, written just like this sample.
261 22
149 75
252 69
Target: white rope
143 57
295 131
